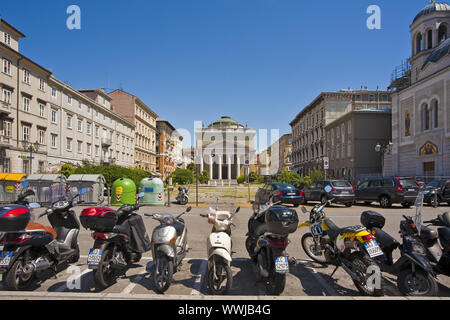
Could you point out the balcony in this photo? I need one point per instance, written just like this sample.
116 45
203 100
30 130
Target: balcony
106 142
5 141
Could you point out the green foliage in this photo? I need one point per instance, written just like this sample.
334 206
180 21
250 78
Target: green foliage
67 170
241 179
112 173
204 177
294 178
182 176
256 178
316 175
191 166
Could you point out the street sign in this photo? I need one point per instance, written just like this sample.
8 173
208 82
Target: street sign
247 163
326 163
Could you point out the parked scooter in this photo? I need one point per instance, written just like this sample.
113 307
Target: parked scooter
219 250
267 240
29 248
438 256
415 276
120 240
352 248
183 196
169 248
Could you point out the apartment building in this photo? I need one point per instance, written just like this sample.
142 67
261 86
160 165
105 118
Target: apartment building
45 123
276 158
308 134
136 111
165 148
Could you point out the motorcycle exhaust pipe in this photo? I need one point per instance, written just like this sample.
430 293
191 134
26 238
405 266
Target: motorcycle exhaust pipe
118 263
37 266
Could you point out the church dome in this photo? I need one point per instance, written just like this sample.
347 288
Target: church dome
441 51
225 122
432 7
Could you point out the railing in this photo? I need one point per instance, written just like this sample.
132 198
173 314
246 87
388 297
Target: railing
4 140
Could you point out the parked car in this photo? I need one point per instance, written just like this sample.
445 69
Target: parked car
342 192
387 191
282 192
442 188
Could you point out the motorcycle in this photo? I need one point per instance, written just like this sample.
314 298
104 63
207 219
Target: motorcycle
267 240
439 257
183 197
120 240
169 248
30 248
352 248
219 250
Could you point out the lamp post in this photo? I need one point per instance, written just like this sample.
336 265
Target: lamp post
31 148
383 149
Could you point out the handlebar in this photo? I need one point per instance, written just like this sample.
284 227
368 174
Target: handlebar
204 215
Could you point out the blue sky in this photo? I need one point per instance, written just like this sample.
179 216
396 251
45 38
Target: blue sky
258 61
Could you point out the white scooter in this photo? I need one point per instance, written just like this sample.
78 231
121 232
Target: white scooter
219 250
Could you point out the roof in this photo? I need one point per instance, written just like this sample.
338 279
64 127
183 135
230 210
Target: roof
432 7
225 121
2 21
441 51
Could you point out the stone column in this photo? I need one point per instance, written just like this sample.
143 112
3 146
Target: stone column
238 167
211 168
220 167
229 167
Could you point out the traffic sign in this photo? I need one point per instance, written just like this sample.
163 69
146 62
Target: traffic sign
326 163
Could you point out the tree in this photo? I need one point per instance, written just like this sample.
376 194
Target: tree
182 176
316 175
67 170
191 166
204 177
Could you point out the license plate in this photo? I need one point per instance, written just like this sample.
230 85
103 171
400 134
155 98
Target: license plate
5 258
345 192
291 194
281 265
373 249
411 190
94 257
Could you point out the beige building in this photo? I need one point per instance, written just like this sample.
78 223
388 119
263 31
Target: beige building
136 111
276 158
165 148
308 133
61 124
420 104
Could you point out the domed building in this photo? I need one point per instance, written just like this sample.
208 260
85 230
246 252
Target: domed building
420 103
223 148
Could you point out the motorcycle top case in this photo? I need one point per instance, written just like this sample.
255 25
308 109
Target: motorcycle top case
281 220
14 218
371 219
98 219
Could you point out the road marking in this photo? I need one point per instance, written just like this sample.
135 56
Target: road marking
136 279
63 287
199 277
330 290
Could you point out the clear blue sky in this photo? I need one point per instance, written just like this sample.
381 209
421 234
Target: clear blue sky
258 61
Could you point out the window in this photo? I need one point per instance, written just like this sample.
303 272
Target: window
7 38
26 133
5 129
96 151
80 147
26 166
435 113
7 165
69 144
430 39
89 109
6 96
6 66
54 116
41 84
69 99
26 104
80 125
26 76
407 123
419 43
41 166
69 122
88 148
442 33
41 137
97 131
41 110
54 92
425 117
80 105
88 128
53 139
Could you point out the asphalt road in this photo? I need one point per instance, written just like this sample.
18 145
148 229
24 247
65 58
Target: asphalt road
306 279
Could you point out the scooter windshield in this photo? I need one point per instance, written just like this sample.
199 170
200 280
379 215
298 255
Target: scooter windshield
419 206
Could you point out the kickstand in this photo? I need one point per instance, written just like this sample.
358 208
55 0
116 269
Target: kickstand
55 272
337 267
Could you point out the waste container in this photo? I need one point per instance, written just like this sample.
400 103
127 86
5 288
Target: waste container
10 186
94 183
123 192
47 187
153 190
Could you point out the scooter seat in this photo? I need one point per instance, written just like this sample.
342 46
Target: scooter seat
33 226
386 241
120 229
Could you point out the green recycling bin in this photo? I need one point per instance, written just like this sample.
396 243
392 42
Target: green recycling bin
123 192
153 190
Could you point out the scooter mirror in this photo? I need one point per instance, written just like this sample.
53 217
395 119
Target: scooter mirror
328 188
304 210
34 205
237 210
189 209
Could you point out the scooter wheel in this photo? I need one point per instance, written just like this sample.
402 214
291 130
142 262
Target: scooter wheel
421 284
220 282
104 275
163 274
13 280
276 284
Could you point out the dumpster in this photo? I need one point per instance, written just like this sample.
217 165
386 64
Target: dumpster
123 192
10 186
94 183
153 190
47 187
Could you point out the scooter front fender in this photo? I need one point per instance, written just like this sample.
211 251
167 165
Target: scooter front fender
166 250
421 262
220 252
305 224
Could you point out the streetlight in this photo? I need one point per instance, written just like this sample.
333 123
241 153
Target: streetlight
383 149
31 148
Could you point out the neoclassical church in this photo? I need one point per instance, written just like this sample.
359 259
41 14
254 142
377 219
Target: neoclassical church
224 147
420 101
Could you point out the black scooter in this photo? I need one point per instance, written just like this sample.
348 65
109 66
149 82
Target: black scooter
439 257
120 239
29 248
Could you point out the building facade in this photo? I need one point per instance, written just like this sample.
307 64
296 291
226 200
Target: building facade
165 138
276 158
351 142
308 133
136 111
61 124
420 113
223 148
